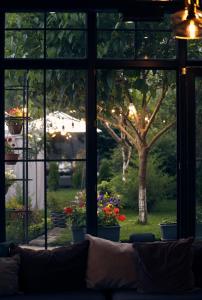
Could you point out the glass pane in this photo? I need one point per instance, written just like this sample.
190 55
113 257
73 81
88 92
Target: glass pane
66 20
136 150
55 171
24 20
139 40
66 202
65 114
65 43
198 158
24 44
24 180
194 49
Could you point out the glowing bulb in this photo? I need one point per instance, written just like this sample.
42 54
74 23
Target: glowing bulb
132 110
192 29
113 110
146 119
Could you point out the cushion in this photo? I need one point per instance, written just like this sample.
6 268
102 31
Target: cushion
9 267
110 264
197 263
165 267
60 269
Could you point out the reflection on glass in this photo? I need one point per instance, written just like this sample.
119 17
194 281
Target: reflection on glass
198 158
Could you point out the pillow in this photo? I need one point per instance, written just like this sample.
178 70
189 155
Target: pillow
110 264
165 267
9 267
60 269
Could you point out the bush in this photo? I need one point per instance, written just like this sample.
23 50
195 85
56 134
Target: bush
78 177
105 187
105 171
53 176
160 186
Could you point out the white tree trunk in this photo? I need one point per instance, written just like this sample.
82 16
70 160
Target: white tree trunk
126 155
142 199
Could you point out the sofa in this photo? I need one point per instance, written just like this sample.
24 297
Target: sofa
98 269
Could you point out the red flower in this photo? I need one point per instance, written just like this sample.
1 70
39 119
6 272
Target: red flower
121 218
116 210
68 210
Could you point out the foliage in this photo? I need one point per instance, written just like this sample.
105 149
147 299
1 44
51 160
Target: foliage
9 145
105 171
78 177
9 177
105 187
54 204
16 112
160 186
53 176
169 220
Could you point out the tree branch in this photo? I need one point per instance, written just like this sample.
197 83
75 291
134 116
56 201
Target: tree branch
158 105
157 136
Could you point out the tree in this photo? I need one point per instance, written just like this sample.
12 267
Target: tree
140 106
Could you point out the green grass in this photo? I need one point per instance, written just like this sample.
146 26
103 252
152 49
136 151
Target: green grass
131 224
65 196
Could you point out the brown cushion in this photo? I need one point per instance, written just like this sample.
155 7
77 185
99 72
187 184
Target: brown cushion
59 269
9 267
110 264
165 267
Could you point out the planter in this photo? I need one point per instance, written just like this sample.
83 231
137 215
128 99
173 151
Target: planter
111 233
14 128
168 231
58 219
11 158
78 233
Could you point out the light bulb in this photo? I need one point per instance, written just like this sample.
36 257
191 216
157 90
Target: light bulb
192 29
132 110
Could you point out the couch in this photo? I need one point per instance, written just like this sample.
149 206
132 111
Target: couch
85 271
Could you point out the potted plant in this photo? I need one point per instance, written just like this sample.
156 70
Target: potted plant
10 156
9 178
58 217
168 229
108 213
14 120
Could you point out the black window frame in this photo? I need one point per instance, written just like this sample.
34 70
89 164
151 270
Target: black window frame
185 70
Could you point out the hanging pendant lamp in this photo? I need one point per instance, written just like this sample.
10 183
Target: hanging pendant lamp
187 23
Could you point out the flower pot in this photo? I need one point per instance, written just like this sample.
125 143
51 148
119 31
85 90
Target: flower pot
58 219
111 233
78 233
14 128
168 231
11 158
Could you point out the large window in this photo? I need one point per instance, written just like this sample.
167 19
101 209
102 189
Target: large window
92 111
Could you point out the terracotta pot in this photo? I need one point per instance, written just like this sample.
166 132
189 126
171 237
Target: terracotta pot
14 128
11 158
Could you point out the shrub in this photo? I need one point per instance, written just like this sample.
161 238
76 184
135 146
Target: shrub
53 176
105 171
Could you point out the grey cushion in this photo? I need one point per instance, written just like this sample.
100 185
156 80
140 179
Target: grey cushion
132 295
